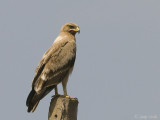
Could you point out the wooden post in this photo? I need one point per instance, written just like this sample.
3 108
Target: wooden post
63 108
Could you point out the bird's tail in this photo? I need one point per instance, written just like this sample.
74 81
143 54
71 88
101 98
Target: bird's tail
32 101
34 98
33 108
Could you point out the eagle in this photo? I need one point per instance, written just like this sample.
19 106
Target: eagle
55 66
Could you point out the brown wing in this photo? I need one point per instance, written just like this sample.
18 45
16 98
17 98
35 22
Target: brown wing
41 65
56 67
34 97
60 73
53 67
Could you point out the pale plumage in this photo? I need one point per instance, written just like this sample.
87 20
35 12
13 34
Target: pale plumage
55 66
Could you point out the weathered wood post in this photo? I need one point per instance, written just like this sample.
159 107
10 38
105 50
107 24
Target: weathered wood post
63 108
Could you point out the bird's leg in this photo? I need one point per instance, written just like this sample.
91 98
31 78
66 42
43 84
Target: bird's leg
64 84
56 90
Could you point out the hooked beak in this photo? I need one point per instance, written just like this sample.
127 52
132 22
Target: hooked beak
78 30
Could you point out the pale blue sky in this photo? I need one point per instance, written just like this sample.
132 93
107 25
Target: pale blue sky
117 70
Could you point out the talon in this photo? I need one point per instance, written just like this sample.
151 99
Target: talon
73 97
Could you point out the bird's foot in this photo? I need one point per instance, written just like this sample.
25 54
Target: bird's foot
70 97
66 96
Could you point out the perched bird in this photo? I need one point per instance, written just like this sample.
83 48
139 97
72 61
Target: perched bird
55 66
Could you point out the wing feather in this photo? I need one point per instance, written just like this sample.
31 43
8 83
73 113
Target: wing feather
54 65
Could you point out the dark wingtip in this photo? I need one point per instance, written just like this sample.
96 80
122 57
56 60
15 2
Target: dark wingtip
29 109
32 108
29 98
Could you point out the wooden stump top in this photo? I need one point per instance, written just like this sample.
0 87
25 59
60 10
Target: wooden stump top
63 108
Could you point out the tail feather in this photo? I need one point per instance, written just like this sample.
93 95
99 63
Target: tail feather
32 101
34 98
32 108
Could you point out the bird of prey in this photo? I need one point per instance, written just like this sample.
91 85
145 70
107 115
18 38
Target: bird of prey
55 66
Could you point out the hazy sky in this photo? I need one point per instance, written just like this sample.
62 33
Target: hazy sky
117 70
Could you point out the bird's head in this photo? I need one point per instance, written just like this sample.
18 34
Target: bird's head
70 28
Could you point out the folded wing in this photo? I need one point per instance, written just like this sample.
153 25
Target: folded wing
52 69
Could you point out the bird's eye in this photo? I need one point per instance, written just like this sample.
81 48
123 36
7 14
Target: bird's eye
71 26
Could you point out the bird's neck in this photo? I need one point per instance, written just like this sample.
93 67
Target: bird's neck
67 34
